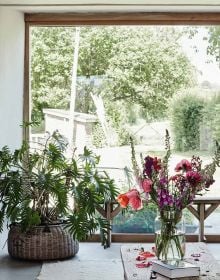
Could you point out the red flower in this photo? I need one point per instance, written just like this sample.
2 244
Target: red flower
123 200
193 177
184 165
146 185
132 198
157 164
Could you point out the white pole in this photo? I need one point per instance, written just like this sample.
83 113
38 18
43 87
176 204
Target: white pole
73 88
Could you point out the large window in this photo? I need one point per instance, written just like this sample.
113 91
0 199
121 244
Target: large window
132 81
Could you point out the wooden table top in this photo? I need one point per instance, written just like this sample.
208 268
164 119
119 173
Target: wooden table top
210 269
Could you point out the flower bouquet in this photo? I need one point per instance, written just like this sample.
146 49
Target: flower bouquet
171 194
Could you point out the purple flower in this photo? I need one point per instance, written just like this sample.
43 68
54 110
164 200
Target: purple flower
148 166
163 181
164 198
178 203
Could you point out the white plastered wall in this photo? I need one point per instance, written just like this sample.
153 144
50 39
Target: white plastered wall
11 76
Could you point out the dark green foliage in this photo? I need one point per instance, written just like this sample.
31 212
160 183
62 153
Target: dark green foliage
104 227
186 116
43 187
90 188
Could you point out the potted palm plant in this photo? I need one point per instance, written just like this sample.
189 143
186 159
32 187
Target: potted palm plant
50 200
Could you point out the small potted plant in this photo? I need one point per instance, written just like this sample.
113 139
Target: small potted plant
50 201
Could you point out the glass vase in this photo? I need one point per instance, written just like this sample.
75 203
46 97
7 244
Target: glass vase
170 235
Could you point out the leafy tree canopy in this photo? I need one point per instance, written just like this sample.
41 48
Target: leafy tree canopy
148 68
141 65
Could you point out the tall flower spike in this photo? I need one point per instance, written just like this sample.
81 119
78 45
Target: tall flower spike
142 159
168 153
167 141
133 160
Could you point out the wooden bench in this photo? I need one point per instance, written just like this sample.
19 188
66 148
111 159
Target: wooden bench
210 269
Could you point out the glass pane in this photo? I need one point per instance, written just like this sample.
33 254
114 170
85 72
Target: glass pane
136 81
192 224
212 225
135 222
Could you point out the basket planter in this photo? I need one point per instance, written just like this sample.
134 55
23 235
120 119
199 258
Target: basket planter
41 243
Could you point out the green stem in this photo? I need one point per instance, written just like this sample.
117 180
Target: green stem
168 240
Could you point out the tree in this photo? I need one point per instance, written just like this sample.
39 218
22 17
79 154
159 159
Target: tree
214 42
141 65
51 62
96 50
148 67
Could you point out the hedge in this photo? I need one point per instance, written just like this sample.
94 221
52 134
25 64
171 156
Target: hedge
186 112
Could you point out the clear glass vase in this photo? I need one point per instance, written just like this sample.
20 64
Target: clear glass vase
170 235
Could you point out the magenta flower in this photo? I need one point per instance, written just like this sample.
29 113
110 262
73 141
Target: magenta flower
163 181
193 177
150 165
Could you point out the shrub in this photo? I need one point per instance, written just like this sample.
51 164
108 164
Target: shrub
216 123
98 137
211 117
186 115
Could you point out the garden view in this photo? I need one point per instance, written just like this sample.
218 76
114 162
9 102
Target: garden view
131 82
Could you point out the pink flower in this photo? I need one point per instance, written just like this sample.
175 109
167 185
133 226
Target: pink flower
134 199
184 165
136 203
146 185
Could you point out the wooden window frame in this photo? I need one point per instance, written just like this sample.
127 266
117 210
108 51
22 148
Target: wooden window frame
110 18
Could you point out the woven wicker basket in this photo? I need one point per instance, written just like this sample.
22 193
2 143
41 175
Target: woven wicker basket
41 243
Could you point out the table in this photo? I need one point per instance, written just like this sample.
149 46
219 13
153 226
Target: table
210 269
